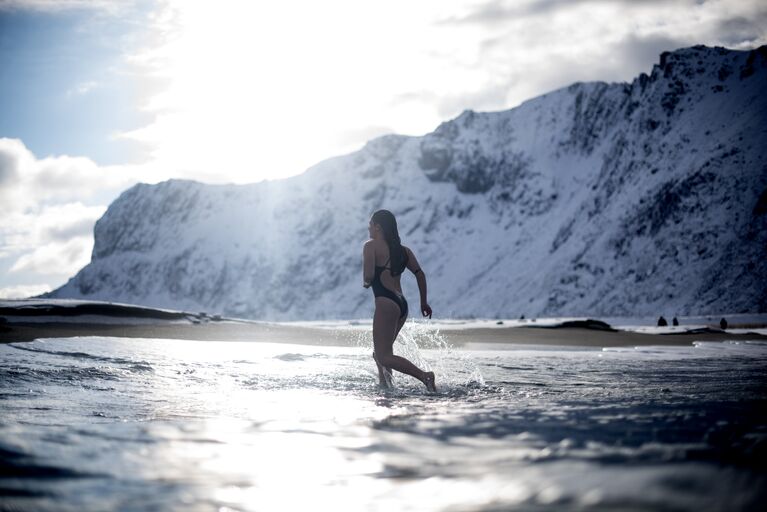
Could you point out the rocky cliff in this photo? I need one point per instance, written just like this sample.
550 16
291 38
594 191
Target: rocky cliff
597 199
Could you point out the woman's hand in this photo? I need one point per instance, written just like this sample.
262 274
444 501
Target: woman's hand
425 309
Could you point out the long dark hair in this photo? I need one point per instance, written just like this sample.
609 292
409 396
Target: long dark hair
397 257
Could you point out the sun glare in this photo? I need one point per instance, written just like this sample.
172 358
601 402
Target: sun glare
258 90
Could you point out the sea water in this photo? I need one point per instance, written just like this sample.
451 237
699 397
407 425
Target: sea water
153 424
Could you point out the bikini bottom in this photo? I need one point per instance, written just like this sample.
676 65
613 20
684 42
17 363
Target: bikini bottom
400 300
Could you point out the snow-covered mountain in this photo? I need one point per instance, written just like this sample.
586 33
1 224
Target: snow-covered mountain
634 198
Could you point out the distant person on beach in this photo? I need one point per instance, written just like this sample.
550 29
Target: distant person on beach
384 259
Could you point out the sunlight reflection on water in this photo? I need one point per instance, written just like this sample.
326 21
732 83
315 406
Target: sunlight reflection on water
100 423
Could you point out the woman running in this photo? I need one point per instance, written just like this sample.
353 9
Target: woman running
384 260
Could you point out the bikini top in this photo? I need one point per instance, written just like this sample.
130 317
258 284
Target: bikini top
378 287
379 270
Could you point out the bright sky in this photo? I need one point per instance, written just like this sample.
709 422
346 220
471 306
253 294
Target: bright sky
96 95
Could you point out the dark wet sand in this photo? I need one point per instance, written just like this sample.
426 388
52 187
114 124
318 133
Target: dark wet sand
585 337
218 331
280 333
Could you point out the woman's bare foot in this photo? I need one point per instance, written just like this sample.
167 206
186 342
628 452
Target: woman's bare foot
428 380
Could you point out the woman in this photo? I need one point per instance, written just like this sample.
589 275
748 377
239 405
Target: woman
384 260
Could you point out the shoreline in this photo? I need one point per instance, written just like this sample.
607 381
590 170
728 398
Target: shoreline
213 331
584 337
304 335
31 319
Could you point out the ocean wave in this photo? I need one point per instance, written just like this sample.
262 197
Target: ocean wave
80 355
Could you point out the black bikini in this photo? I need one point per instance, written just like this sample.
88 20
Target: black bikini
379 290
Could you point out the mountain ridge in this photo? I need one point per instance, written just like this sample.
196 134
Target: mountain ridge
633 198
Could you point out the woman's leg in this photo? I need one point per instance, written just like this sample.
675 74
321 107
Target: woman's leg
428 380
384 373
386 325
400 323
380 322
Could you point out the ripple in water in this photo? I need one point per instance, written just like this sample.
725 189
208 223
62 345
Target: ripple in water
99 423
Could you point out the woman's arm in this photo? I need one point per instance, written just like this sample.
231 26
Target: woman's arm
368 263
420 277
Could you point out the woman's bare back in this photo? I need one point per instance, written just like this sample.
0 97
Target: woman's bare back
382 260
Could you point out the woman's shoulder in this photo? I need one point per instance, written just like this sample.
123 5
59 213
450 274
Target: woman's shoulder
376 244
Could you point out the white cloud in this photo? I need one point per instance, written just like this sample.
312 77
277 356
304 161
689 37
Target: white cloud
49 224
48 208
15 160
51 242
58 259
530 48
47 211
29 183
264 90
23 291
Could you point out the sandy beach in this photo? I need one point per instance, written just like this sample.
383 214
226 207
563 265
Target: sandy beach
218 331
286 333
27 320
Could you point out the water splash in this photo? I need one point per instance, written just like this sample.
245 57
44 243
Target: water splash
453 368
427 348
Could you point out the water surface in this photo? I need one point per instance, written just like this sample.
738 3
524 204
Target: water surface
149 424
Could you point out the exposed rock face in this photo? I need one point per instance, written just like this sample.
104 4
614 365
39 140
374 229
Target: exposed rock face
596 199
